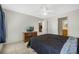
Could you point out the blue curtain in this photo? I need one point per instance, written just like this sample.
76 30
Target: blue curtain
2 26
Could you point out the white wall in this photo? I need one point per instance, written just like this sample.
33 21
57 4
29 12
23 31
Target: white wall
73 23
52 25
17 23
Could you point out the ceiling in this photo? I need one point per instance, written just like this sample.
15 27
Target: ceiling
35 9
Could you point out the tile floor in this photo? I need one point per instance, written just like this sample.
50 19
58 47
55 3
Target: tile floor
17 48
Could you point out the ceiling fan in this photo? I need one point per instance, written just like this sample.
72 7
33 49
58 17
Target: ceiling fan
45 10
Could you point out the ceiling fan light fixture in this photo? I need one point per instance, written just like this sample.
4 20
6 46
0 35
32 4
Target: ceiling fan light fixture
44 10
44 13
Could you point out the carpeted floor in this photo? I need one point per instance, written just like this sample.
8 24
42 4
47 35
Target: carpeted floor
17 48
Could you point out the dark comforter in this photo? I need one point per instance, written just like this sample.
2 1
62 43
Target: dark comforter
48 43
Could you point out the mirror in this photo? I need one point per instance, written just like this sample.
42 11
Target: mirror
40 27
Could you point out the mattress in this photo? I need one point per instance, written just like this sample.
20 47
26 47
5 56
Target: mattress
48 43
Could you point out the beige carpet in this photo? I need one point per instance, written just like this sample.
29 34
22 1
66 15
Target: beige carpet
17 48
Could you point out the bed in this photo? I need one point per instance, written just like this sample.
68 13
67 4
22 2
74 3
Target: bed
51 44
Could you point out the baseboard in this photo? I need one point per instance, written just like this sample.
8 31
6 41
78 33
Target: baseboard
13 42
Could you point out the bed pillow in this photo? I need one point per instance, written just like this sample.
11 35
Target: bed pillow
70 47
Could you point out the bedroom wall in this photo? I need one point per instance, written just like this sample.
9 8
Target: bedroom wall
52 25
73 23
17 23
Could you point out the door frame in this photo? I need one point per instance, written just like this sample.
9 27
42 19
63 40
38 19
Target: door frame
60 25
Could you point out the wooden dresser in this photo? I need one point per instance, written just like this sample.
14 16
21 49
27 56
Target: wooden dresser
28 35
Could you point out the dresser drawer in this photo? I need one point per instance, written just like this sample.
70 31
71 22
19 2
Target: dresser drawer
29 35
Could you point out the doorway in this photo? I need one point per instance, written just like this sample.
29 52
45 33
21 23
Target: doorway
63 26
